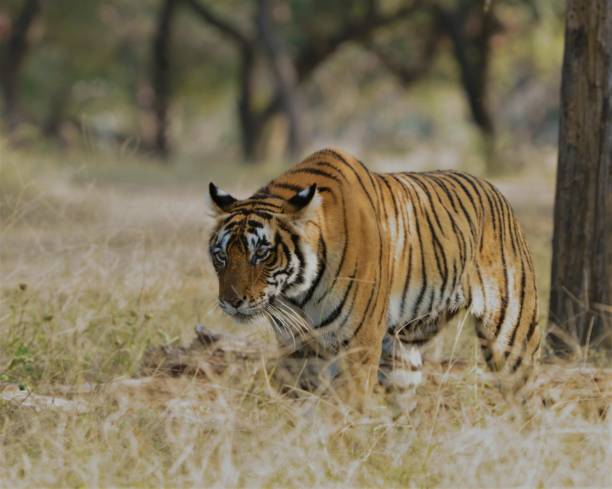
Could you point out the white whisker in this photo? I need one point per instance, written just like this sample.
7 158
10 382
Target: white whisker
279 322
296 322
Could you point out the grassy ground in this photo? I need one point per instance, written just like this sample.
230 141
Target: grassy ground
96 266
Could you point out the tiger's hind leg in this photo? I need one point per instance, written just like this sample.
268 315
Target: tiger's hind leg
505 304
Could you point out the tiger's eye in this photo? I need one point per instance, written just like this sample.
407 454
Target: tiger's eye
219 256
262 253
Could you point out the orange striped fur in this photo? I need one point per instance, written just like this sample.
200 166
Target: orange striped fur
355 256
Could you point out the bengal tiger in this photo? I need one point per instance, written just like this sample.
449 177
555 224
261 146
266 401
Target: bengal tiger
358 259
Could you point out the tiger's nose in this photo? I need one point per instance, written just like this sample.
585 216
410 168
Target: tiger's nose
234 301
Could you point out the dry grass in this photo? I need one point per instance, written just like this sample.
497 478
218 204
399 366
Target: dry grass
94 274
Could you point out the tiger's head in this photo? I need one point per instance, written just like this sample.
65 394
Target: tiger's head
263 248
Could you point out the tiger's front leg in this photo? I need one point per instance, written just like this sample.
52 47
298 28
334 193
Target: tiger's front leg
359 362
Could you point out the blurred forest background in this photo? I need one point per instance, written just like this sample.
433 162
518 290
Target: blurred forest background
452 83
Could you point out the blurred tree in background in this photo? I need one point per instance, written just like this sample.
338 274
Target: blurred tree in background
256 74
15 51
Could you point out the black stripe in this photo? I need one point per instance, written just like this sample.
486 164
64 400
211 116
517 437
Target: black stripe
508 217
512 227
321 267
369 173
517 363
454 177
343 255
494 215
442 185
248 204
518 321
414 200
255 224
465 212
423 267
361 323
407 280
374 293
288 186
438 248
532 326
392 194
313 171
260 195
506 297
326 189
338 309
350 167
348 315
287 255
432 298
407 245
431 204
457 232
264 215
455 279
481 335
261 213
470 180
519 358
482 287
332 166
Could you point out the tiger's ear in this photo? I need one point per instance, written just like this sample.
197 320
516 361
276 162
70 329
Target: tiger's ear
304 200
221 200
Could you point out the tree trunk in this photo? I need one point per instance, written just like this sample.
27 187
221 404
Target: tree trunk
161 76
472 52
52 125
249 122
284 74
581 281
14 54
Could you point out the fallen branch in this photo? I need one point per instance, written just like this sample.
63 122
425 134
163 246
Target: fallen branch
24 398
208 355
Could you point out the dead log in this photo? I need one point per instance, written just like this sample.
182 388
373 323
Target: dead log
208 355
24 398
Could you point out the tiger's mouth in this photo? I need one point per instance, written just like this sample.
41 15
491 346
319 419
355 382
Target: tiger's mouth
246 314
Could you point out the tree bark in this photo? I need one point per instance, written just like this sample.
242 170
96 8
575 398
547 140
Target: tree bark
14 54
161 76
283 72
581 281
